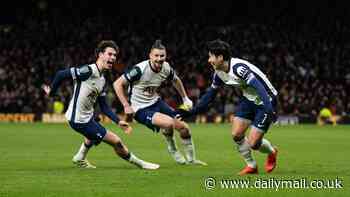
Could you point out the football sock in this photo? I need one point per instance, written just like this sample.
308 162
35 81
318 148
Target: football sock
134 160
266 147
244 149
189 148
170 140
84 149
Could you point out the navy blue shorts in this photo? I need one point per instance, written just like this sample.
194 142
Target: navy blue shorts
256 113
145 115
92 130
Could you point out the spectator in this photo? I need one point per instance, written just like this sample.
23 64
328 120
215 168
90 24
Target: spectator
308 61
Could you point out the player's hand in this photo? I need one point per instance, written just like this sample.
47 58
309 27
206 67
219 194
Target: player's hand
125 126
128 110
187 102
129 113
47 89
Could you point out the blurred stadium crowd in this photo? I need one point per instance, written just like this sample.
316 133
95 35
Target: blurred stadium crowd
308 62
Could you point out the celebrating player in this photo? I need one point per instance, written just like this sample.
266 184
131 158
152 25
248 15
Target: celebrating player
89 87
256 108
149 109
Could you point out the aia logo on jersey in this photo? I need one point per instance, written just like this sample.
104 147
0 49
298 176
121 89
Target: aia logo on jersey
242 71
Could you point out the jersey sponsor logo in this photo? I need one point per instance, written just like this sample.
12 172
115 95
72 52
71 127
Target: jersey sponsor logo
92 96
149 91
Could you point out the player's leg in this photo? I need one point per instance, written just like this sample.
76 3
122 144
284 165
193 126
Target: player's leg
95 133
83 150
170 139
184 131
258 142
85 146
243 117
122 151
79 159
187 142
145 116
239 127
172 147
166 122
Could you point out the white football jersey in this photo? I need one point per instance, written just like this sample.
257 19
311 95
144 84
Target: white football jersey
239 75
144 82
89 83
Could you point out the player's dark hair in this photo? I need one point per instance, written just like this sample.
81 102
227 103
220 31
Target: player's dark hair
101 47
158 45
219 47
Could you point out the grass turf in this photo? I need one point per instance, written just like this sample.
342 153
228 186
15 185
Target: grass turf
35 160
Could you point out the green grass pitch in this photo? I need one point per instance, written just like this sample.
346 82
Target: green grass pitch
35 160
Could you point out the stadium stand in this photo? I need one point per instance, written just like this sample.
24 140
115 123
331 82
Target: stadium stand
306 57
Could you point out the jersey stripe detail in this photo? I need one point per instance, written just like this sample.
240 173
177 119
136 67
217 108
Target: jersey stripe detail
270 91
72 71
76 95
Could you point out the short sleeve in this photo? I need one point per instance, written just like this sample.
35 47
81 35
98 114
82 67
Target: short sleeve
82 73
242 71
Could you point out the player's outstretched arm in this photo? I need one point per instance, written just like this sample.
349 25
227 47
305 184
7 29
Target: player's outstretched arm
106 109
118 86
204 101
202 104
59 77
254 82
263 95
177 83
111 115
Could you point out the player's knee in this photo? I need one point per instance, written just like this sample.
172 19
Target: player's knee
168 125
180 125
237 138
238 133
183 129
255 145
